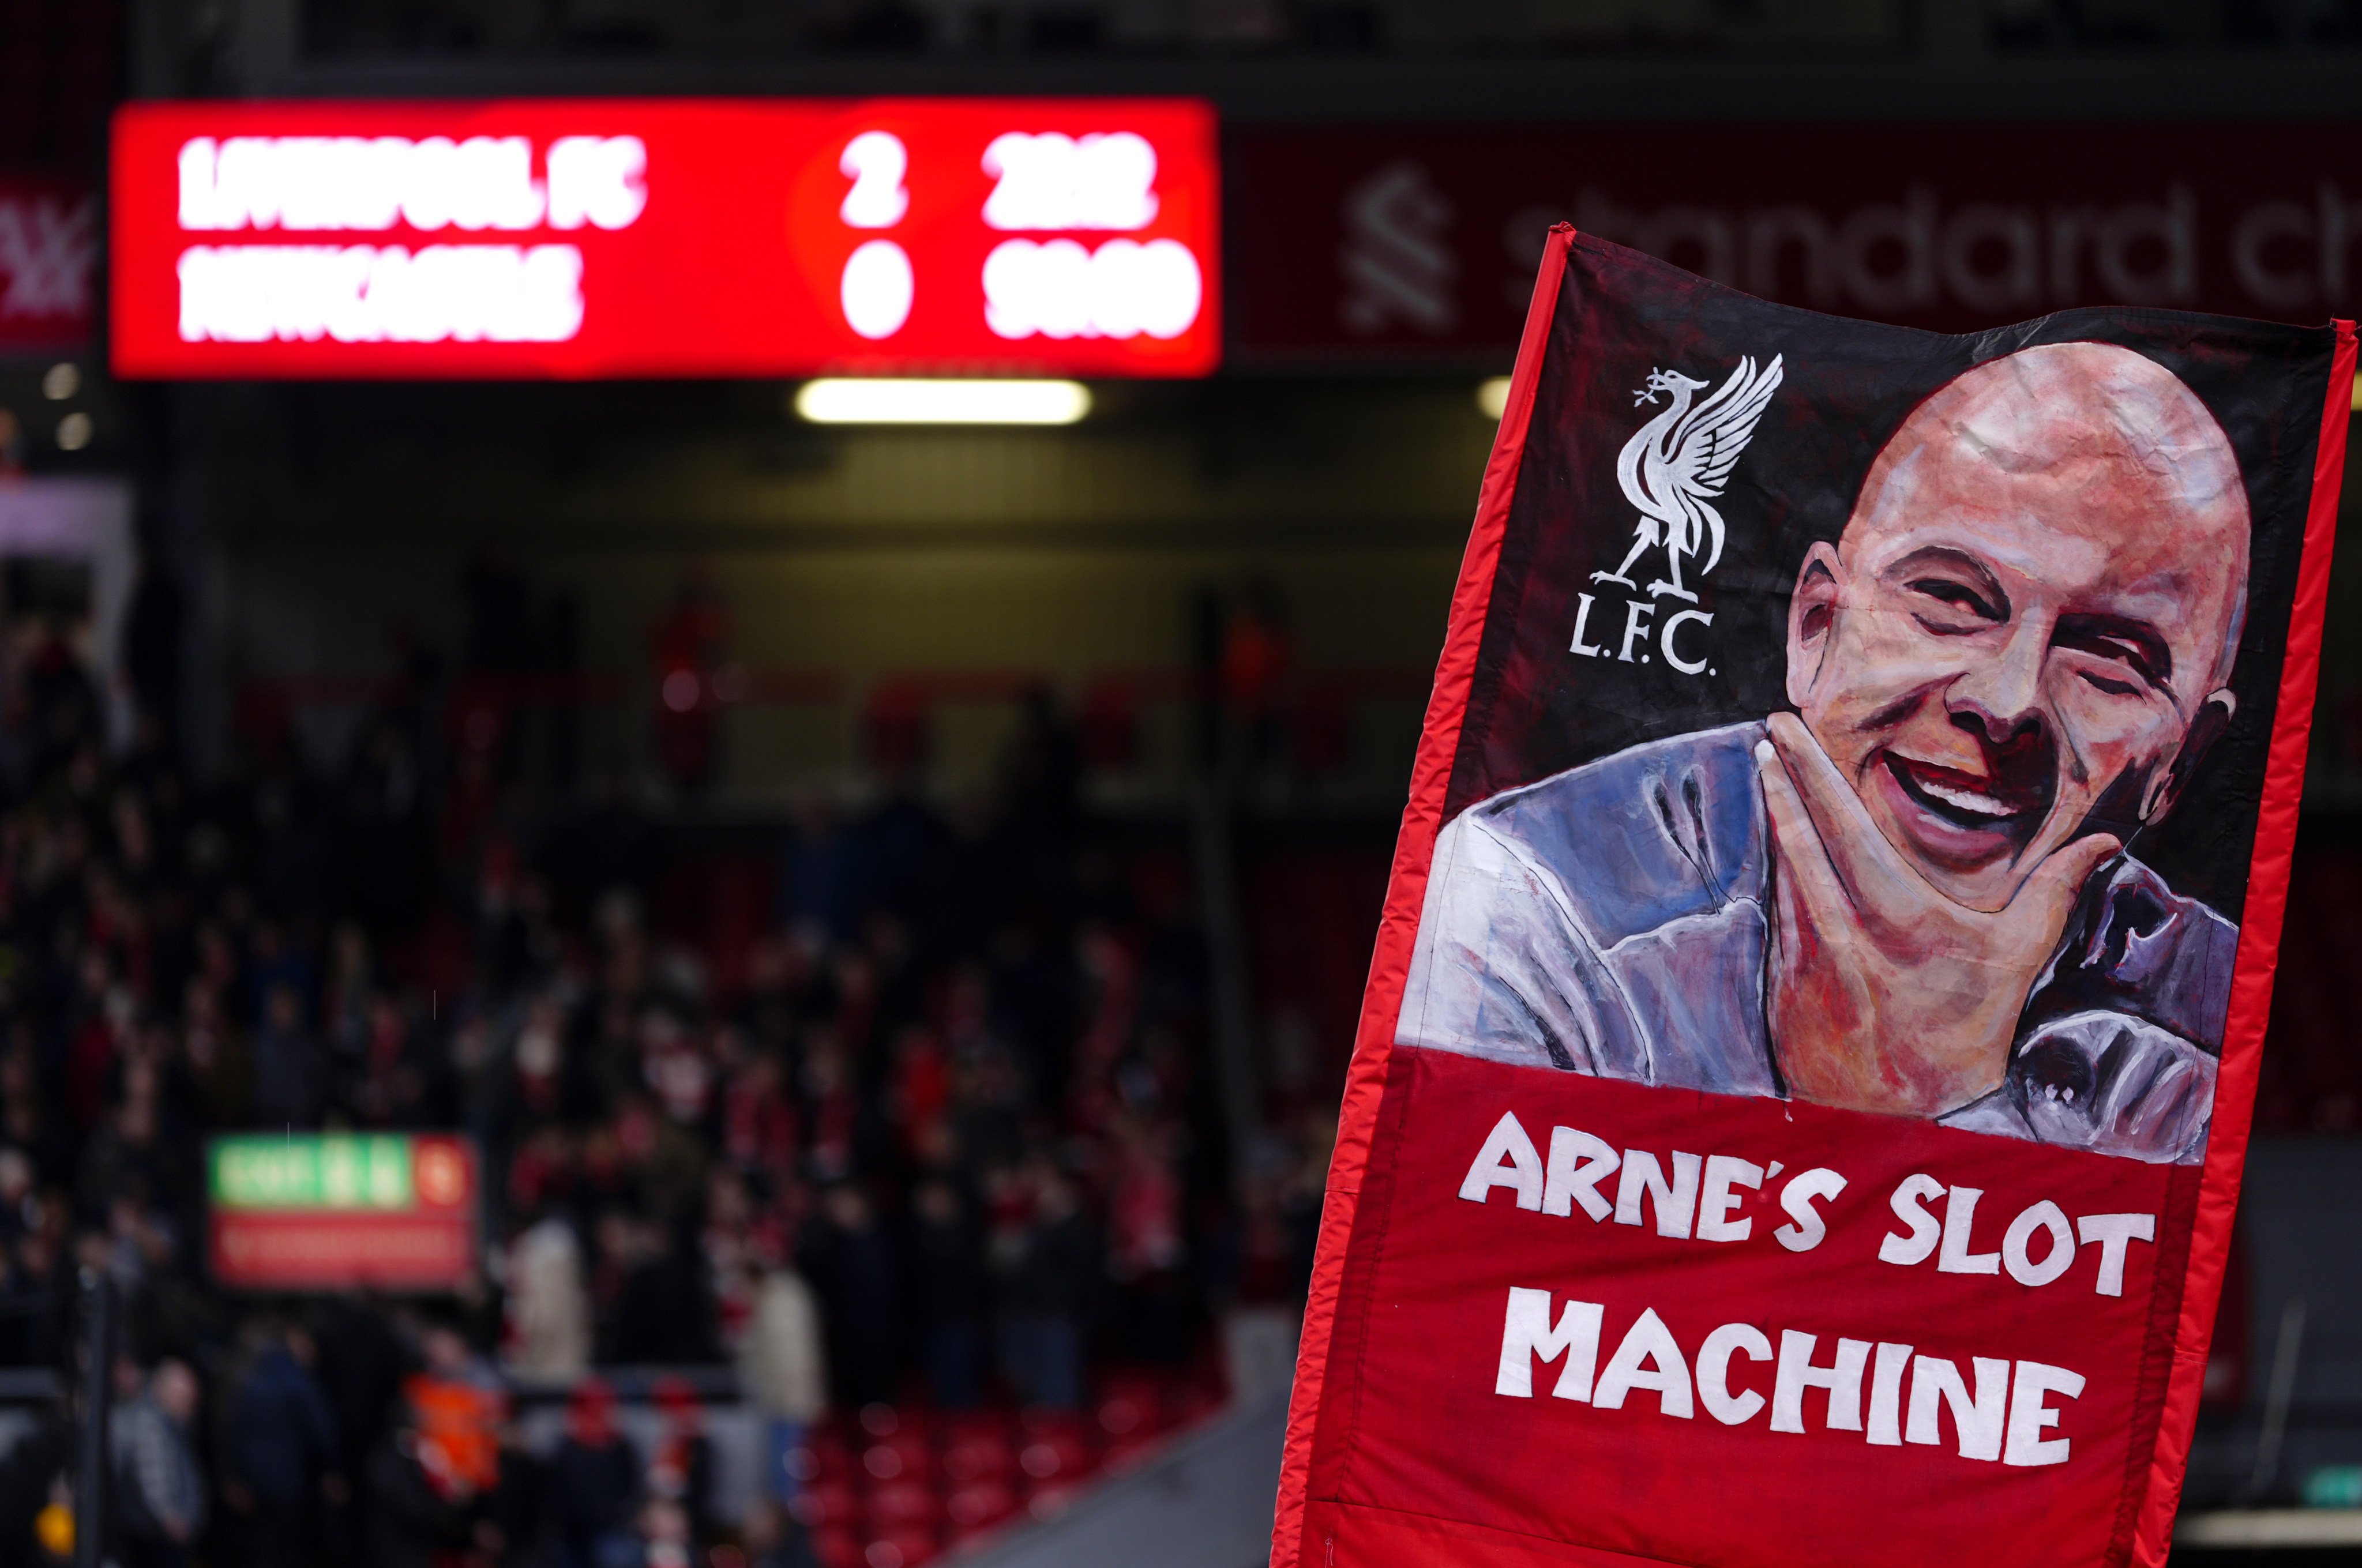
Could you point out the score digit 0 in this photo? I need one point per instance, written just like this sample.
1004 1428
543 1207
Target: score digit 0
877 284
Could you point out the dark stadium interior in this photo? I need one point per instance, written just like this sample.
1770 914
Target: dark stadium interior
888 908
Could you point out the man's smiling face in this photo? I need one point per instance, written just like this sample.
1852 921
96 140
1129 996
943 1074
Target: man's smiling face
2032 605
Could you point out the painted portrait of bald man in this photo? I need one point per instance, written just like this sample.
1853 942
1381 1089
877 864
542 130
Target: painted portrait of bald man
1915 894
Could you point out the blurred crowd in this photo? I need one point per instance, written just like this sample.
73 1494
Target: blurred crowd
920 1157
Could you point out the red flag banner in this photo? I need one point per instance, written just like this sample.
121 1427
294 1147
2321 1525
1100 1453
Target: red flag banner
1802 1088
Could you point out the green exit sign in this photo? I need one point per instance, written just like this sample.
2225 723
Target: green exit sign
334 1171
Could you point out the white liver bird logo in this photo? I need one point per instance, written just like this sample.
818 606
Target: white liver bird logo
1677 463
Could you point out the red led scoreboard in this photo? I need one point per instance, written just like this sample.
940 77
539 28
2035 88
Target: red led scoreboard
612 237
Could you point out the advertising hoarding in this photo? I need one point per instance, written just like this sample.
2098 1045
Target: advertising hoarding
1395 244
335 1211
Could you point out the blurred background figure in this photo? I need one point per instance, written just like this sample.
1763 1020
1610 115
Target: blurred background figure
159 1484
415 1504
783 1369
594 1484
284 1467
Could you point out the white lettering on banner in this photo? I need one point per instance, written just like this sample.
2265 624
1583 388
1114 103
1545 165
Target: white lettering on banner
1636 630
1907 1200
47 249
1054 181
2015 1246
1674 1201
1714 1373
1723 1173
2113 1234
1841 1379
2029 1418
1885 1428
1976 1422
1527 1333
1522 1173
1960 1220
1582 624
1122 290
360 293
2004 1421
1648 1358
320 183
1578 1163
1806 1229
1704 1199
1700 1194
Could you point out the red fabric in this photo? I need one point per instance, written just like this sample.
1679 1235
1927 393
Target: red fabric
1428 1309
2251 985
1398 930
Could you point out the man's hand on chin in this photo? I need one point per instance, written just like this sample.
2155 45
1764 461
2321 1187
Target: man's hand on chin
1884 994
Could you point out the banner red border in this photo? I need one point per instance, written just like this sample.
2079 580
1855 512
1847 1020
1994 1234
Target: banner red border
1365 1081
2251 976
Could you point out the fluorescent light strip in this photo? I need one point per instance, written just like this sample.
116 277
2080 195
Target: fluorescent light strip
883 401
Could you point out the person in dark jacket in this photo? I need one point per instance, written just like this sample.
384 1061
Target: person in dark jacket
159 1488
850 1261
681 1469
948 1284
1046 1294
411 1519
594 1484
283 1461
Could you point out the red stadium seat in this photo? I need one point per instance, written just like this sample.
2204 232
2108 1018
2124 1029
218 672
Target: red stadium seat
902 1548
979 1506
836 1549
901 1503
979 1455
827 1503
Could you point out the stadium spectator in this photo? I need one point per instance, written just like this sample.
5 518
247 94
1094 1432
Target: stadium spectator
1051 1264
548 1310
594 1485
850 1260
947 1280
283 1461
413 1519
782 1368
863 1145
161 1504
